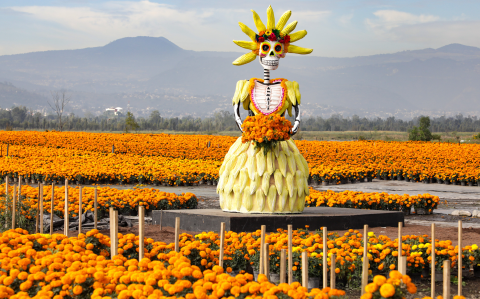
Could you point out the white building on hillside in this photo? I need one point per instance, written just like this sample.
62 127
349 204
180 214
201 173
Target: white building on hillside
116 111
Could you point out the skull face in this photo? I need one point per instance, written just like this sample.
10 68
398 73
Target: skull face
270 53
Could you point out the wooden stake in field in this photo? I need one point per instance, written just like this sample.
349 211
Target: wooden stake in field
95 216
37 222
80 209
290 254
6 196
19 198
446 279
66 220
402 260
266 260
261 269
14 205
432 264
51 208
141 232
365 259
333 260
460 261
283 262
41 208
222 244
177 234
113 232
305 269
161 219
19 182
325 258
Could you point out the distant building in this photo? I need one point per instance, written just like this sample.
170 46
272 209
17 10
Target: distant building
115 111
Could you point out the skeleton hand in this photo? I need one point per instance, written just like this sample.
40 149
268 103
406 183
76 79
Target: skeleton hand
296 125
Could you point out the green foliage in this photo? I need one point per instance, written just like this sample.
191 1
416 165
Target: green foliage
24 215
130 123
422 132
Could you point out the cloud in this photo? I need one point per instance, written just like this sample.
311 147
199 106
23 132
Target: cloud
312 16
424 29
9 11
389 19
440 33
117 19
345 19
207 28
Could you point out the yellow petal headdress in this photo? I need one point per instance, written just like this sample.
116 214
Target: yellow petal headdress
279 31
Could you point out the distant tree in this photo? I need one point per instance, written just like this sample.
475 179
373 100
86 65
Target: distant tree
60 100
130 123
422 132
19 114
155 119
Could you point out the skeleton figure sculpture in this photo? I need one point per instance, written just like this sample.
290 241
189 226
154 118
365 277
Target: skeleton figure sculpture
250 180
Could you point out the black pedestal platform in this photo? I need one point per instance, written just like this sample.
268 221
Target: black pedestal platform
200 220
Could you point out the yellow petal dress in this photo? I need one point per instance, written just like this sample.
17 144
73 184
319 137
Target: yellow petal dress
251 181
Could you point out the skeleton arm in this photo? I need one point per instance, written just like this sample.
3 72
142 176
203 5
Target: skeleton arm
238 119
294 96
240 97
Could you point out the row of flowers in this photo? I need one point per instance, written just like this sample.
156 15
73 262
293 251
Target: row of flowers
125 201
35 163
163 145
55 266
187 159
374 201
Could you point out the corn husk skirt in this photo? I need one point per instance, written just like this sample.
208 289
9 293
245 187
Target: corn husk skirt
254 182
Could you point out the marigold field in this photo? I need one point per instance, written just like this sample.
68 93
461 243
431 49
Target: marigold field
55 266
186 159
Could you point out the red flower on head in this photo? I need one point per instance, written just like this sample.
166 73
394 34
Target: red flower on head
287 38
282 41
261 39
272 37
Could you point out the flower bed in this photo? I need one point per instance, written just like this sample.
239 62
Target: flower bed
123 200
373 200
50 164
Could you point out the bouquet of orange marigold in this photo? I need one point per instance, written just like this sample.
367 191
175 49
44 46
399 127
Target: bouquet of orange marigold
266 130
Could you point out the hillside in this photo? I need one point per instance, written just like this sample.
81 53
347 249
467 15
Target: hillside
148 72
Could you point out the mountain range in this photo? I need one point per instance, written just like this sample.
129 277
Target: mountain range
147 73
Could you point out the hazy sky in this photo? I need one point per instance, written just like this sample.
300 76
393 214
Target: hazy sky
336 28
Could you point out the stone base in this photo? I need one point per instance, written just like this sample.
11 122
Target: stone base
200 220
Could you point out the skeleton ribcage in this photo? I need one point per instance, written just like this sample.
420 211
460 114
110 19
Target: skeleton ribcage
267 98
